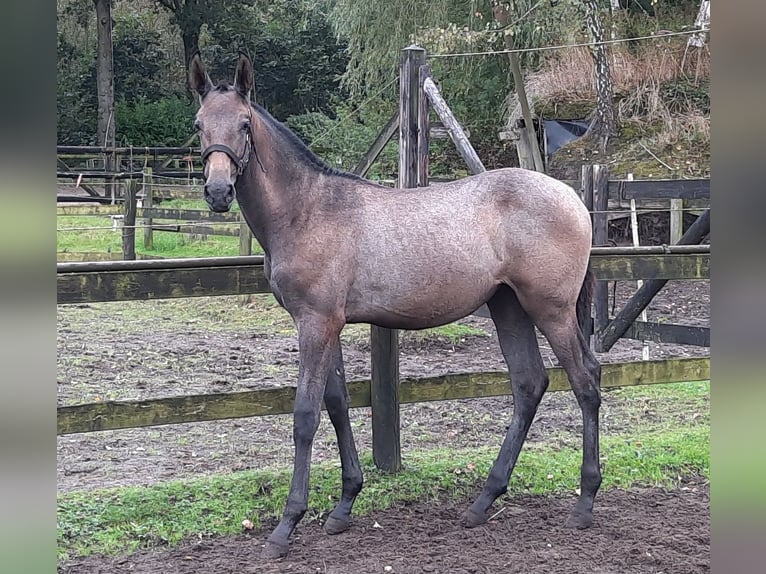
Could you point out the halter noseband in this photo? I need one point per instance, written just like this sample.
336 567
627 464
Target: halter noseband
240 161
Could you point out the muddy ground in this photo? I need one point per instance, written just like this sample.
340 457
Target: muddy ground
639 531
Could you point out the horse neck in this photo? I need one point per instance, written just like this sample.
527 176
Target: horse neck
278 189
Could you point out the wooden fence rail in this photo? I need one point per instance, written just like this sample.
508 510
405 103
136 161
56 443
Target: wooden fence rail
111 415
210 276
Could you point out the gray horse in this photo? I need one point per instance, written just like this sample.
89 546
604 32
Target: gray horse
340 249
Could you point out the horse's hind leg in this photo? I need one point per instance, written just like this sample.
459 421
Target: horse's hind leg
336 400
584 372
518 341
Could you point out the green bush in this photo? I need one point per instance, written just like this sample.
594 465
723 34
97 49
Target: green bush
166 122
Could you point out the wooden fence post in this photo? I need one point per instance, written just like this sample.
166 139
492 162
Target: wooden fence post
146 203
424 127
586 195
245 248
523 146
600 239
129 221
384 391
676 220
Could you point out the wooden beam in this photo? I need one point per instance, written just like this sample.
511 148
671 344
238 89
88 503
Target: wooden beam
111 415
662 188
456 132
151 284
383 137
80 210
668 333
169 278
189 214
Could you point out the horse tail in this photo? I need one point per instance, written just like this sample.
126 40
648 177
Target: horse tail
584 300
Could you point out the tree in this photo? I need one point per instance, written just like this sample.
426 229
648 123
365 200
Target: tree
605 120
190 15
104 73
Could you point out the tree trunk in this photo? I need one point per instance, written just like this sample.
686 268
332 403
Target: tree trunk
190 38
605 122
702 21
105 73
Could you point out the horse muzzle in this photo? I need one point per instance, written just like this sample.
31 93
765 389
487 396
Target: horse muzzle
219 196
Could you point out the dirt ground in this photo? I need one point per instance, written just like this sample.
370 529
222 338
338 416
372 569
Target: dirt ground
635 532
161 348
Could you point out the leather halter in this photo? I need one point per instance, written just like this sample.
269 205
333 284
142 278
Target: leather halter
240 161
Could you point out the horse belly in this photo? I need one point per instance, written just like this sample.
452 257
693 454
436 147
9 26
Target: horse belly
406 300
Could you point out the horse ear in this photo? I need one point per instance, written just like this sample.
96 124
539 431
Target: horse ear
199 81
244 76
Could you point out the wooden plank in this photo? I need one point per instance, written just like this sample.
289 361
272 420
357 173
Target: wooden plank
82 210
189 214
668 333
617 327
665 267
187 192
191 228
663 188
100 174
153 284
142 151
111 415
169 278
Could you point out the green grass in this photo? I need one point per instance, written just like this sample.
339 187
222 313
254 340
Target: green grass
125 519
84 238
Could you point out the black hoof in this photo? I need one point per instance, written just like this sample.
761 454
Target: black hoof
472 518
274 550
336 525
579 520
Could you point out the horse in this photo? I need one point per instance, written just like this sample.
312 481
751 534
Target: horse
341 249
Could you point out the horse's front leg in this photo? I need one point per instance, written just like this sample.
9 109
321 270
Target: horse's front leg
317 337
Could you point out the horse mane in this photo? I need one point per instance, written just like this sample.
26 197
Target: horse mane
301 150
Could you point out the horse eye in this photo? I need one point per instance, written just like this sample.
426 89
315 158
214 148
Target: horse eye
246 126
197 126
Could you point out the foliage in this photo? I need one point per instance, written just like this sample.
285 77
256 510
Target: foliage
297 60
165 122
76 107
342 141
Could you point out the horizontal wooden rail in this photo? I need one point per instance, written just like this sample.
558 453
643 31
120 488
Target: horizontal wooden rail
151 212
170 278
95 210
111 415
85 150
668 333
